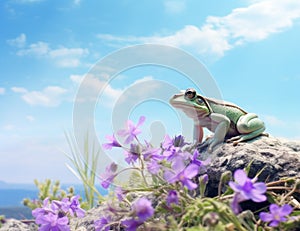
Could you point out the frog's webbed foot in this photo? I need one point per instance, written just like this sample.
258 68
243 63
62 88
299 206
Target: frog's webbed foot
208 145
241 138
203 146
235 140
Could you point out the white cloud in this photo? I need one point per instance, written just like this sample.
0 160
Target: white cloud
259 20
68 62
93 86
2 91
19 89
174 6
219 34
63 52
62 56
110 95
144 79
35 49
50 96
19 41
76 78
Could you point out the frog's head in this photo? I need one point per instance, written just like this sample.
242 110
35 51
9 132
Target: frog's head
193 104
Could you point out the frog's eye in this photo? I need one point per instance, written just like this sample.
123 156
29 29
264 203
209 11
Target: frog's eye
200 101
190 94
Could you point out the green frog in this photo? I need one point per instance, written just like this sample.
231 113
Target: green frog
226 120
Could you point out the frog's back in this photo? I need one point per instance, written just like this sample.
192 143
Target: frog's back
232 111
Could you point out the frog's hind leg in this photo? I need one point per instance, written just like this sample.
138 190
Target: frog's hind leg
249 126
237 139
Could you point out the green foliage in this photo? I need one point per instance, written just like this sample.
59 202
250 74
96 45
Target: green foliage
2 220
48 189
85 168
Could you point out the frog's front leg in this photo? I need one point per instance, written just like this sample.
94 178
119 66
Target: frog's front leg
249 126
198 133
220 130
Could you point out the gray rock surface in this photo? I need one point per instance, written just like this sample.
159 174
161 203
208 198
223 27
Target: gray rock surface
16 225
86 223
279 158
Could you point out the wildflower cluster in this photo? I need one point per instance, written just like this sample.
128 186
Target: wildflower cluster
169 168
54 215
166 190
247 189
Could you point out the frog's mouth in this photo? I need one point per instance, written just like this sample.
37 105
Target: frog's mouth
191 110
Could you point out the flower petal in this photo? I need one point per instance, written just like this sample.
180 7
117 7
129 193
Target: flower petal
129 138
189 184
235 204
286 210
240 176
234 186
191 171
178 164
170 177
141 121
274 223
266 217
257 197
260 187
122 132
274 208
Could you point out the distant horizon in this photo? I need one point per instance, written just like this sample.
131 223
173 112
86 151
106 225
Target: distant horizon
13 194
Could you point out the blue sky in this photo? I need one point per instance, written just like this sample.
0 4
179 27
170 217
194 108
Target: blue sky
250 47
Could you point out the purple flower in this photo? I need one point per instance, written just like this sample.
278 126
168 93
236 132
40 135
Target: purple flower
120 193
181 173
200 163
41 211
172 197
131 224
109 175
132 131
75 207
133 154
102 224
52 222
72 206
143 209
113 143
277 214
152 153
246 188
235 206
203 179
153 166
172 152
179 141
168 142
47 208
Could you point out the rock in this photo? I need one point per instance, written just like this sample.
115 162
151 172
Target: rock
16 225
86 223
276 157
